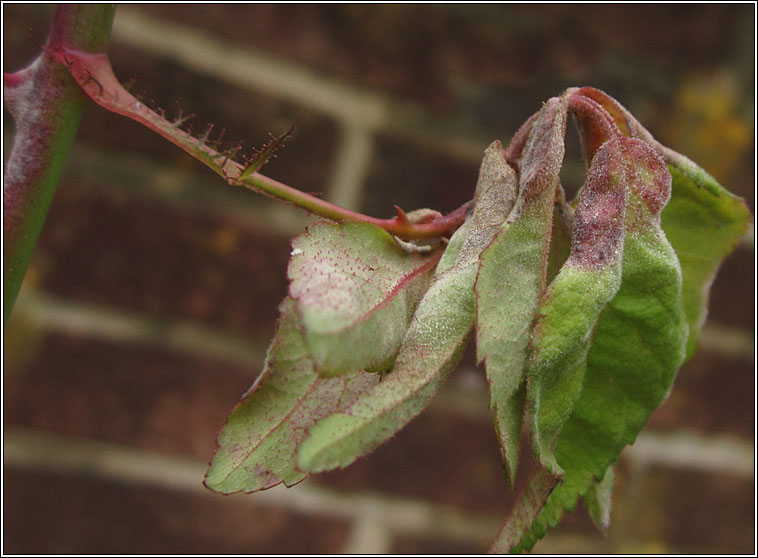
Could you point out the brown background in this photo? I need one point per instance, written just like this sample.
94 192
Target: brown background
153 290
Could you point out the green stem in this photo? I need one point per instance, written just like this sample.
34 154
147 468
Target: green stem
399 226
46 104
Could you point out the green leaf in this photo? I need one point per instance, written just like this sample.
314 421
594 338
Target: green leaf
257 444
638 346
599 498
355 290
524 512
512 276
433 344
571 306
703 222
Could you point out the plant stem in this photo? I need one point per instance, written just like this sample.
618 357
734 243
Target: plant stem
46 104
95 75
400 226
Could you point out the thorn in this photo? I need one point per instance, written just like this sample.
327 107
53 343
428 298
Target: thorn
204 138
217 142
129 84
402 217
230 153
181 120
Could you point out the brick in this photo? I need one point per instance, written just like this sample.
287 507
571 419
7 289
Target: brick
22 22
67 514
412 176
712 393
138 395
688 511
106 248
732 298
514 46
247 117
424 546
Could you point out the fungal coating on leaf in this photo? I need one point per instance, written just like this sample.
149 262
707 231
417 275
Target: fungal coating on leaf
574 300
599 217
512 275
637 347
355 291
256 447
649 176
433 343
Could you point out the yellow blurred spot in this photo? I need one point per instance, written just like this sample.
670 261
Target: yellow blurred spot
648 547
706 125
225 240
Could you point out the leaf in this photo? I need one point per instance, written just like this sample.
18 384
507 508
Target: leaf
432 346
703 222
526 509
355 291
572 304
638 346
512 275
599 498
257 444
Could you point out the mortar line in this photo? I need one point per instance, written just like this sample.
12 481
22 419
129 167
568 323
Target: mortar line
257 70
211 55
33 449
49 312
351 166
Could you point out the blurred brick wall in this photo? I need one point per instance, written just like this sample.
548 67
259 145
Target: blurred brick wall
153 290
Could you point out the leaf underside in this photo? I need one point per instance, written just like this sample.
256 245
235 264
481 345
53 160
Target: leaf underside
512 275
433 343
624 382
582 316
257 444
355 291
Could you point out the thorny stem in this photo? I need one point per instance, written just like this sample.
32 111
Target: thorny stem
94 74
46 105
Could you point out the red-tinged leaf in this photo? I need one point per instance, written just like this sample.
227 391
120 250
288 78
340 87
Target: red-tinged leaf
257 444
512 275
355 291
574 300
637 347
702 220
595 125
433 344
528 505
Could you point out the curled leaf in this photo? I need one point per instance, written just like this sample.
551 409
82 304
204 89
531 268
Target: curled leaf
432 346
703 222
572 304
355 291
256 446
637 347
598 500
512 275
